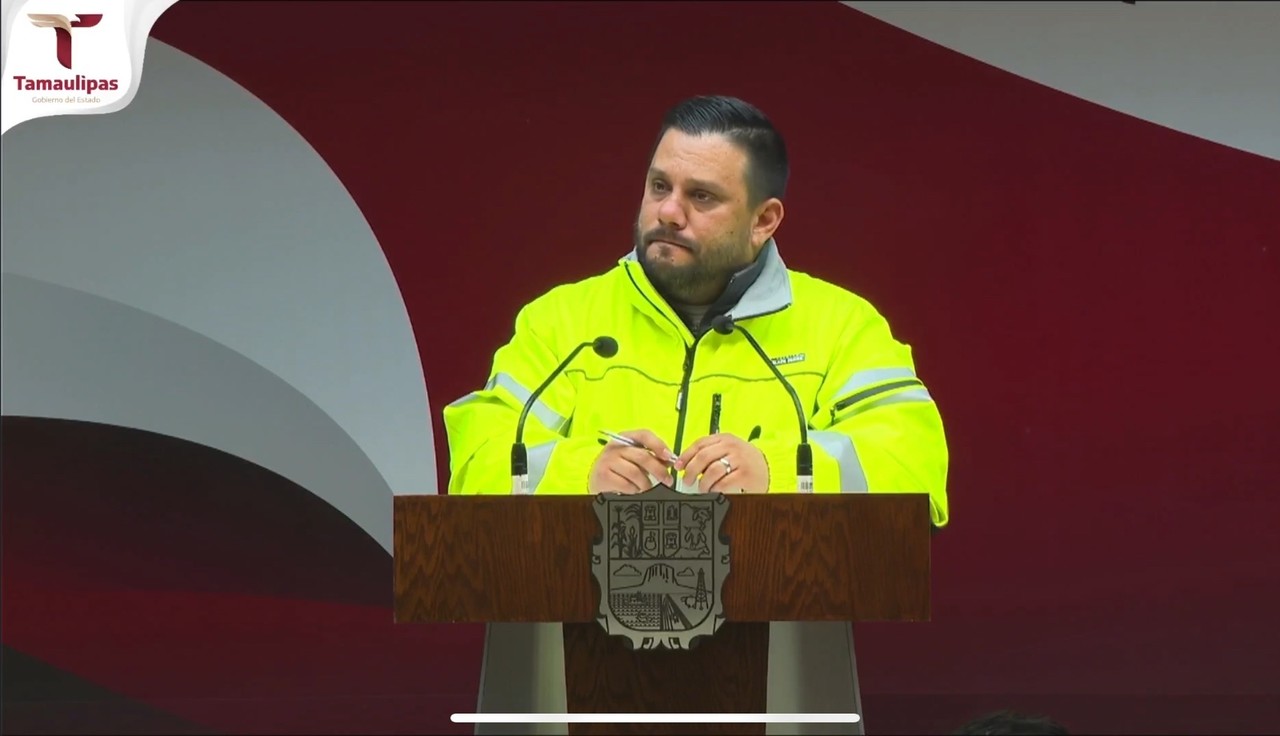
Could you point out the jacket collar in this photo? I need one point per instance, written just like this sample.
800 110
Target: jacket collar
770 291
769 288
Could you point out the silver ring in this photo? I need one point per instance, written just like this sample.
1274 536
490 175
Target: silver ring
727 467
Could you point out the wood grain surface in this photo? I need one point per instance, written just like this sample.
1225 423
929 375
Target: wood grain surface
723 673
819 557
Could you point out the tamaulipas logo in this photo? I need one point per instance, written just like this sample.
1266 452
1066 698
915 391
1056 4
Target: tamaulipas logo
64 30
72 57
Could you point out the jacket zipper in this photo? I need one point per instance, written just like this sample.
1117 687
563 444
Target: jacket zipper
849 401
683 400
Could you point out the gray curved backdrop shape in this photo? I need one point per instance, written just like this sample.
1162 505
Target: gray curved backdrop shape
1208 69
190 266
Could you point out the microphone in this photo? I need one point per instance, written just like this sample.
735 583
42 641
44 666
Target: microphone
605 347
725 325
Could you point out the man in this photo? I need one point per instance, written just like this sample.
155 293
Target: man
707 411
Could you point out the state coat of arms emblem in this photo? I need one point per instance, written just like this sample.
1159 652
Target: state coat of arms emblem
660 562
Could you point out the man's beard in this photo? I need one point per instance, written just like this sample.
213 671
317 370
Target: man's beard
700 281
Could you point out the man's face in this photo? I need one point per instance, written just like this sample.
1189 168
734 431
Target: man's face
694 230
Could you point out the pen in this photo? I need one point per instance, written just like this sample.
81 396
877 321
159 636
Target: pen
630 442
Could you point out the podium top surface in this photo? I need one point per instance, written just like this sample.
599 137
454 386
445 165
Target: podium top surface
794 557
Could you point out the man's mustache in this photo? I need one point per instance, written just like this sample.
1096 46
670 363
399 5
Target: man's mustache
669 237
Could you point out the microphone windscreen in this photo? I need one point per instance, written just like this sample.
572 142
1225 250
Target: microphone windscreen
605 346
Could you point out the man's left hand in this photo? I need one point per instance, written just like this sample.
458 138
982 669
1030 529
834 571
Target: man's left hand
727 464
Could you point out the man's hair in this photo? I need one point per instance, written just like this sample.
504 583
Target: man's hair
1008 723
748 128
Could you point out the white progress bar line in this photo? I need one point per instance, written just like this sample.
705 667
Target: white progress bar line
655 718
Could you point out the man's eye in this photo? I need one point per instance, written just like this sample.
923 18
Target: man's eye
659 186
702 196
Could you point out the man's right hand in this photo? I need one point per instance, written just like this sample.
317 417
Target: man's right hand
623 469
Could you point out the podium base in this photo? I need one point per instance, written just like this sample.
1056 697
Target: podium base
810 668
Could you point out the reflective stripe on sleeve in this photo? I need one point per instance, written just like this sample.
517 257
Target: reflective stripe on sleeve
840 446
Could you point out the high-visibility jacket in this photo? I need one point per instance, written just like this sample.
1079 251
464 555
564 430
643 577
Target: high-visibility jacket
873 425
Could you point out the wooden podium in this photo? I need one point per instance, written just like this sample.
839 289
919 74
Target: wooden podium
837 558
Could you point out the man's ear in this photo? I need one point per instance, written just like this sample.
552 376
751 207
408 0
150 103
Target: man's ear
765 222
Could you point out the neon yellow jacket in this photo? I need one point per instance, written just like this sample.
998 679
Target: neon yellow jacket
873 425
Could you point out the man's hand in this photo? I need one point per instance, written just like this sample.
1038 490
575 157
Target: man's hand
623 469
727 463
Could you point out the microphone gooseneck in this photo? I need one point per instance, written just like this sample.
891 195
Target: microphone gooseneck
725 325
605 347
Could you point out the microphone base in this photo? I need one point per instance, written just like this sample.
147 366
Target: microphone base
805 484
520 485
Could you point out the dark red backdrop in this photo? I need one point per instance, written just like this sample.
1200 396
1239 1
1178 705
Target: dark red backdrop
1092 299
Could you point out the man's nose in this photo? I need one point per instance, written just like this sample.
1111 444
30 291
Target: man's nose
671 212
